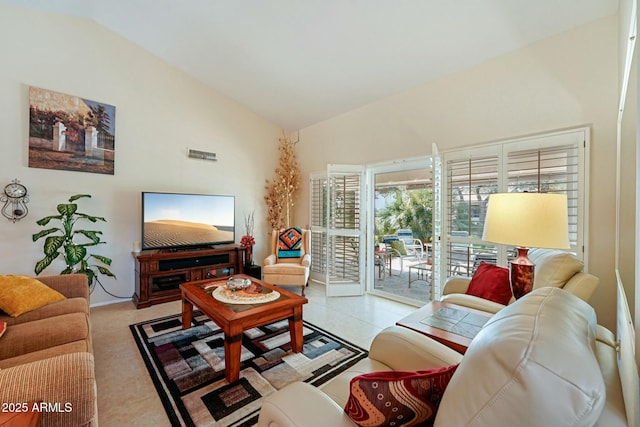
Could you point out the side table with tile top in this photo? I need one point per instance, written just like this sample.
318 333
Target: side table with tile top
452 325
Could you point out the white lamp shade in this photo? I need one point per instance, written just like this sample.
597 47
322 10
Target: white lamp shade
534 220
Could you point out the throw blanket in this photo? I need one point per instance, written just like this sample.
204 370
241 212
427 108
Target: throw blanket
290 243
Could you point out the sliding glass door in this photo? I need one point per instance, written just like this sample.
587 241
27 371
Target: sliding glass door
400 230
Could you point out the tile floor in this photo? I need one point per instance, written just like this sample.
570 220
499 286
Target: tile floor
126 394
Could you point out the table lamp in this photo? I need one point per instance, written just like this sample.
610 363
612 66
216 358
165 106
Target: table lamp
524 220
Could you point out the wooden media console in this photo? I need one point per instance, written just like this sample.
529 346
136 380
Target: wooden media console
160 272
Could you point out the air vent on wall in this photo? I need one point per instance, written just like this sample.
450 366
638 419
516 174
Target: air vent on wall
204 155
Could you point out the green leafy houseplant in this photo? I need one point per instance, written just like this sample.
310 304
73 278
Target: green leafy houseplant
71 243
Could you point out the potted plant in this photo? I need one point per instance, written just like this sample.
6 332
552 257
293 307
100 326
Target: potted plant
71 243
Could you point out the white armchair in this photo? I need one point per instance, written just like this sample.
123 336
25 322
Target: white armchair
285 266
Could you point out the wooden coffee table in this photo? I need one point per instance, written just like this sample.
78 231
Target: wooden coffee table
234 319
452 325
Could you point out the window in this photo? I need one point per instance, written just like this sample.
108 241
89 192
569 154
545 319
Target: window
546 163
469 183
548 170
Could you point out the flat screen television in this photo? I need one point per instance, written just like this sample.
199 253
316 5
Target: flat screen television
176 220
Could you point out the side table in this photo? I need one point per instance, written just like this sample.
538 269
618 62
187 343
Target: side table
253 271
450 324
423 270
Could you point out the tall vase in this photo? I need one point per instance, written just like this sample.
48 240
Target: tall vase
522 271
248 255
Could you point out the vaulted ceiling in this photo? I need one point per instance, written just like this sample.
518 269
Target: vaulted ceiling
299 62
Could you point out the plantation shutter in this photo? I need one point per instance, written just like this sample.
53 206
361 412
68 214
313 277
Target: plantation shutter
555 162
470 180
318 212
437 222
338 230
549 170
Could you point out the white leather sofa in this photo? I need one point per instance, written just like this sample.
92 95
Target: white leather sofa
555 268
541 361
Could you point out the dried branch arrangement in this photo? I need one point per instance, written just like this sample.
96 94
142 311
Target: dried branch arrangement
280 197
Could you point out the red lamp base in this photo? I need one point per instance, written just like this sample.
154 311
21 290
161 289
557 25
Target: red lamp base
522 269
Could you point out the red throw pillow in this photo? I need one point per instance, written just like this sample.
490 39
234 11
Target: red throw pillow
397 397
492 283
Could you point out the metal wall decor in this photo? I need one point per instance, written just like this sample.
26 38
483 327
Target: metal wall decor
204 155
15 201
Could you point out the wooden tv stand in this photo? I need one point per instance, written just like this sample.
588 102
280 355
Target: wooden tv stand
159 272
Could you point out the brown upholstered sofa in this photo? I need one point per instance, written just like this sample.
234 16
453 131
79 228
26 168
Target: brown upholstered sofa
46 356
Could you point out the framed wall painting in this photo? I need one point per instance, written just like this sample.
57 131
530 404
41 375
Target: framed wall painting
67 132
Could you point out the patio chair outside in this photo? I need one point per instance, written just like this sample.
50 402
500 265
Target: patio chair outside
411 244
395 248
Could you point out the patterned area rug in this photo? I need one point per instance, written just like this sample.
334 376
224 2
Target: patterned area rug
187 367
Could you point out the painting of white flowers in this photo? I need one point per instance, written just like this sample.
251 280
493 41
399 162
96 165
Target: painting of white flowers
67 132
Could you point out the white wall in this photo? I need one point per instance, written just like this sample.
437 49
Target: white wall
627 160
159 113
566 81
569 80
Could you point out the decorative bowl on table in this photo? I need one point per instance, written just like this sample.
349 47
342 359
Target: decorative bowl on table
237 283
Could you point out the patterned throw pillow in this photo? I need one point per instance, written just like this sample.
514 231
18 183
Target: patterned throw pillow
20 294
397 398
290 243
3 327
491 282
